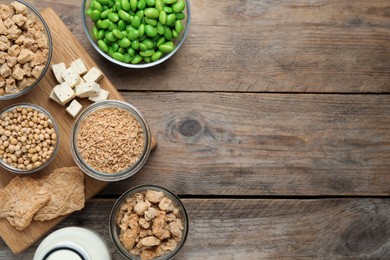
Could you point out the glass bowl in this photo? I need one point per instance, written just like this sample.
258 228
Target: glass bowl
88 25
34 13
82 162
114 229
25 149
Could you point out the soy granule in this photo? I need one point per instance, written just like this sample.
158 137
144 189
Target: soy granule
110 140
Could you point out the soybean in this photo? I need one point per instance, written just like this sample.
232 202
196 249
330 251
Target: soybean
133 31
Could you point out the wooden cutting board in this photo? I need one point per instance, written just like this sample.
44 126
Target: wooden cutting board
66 49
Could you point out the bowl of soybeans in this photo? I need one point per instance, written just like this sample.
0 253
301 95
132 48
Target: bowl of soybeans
136 33
29 138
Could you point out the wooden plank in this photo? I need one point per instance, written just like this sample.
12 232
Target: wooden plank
265 229
266 46
66 49
266 144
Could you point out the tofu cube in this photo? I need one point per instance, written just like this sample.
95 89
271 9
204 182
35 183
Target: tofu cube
87 90
57 70
93 75
78 66
54 97
64 93
103 95
74 108
71 77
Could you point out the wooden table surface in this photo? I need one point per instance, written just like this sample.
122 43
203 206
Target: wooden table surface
273 126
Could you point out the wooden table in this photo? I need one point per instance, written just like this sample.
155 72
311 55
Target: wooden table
273 126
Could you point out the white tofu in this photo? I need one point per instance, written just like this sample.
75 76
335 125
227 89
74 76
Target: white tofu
78 66
93 75
103 95
64 93
74 108
54 97
71 77
90 89
57 70
82 81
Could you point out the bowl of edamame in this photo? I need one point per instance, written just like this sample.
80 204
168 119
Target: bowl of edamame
136 33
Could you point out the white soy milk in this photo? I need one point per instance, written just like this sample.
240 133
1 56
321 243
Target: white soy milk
73 243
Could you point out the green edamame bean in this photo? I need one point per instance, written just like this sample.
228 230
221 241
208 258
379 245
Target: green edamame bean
97 6
152 22
103 46
113 17
95 32
141 4
141 30
104 24
168 33
132 34
171 19
133 4
140 14
170 43
142 47
124 33
118 56
168 9
131 52
128 58
103 2
137 59
135 23
135 45
115 47
104 14
112 26
159 5
147 59
110 37
110 51
111 3
124 16
150 2
95 15
150 30
101 34
178 26
160 29
125 5
89 11
122 25
162 17
146 53
142 38
148 43
151 13
180 16
174 34
157 55
124 43
179 6
121 50
169 2
160 41
118 34
165 48
106 41
118 6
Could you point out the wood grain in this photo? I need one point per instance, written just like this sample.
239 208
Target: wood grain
266 144
319 46
265 229
66 49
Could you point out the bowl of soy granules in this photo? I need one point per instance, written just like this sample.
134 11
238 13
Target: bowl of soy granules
29 138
